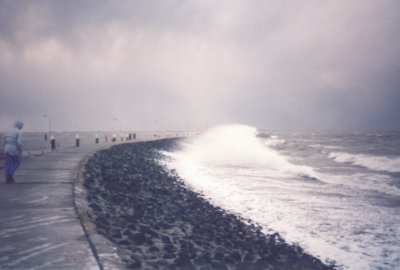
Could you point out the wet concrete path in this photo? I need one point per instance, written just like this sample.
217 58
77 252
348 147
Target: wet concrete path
39 224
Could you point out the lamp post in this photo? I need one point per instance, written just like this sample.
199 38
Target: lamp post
48 118
120 125
120 128
115 119
155 128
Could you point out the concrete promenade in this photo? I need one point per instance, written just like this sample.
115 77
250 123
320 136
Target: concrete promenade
40 224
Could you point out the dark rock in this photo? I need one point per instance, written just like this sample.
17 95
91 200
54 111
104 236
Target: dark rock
150 232
233 257
218 240
263 262
165 239
206 267
183 260
219 254
154 249
138 238
249 257
132 227
95 207
169 248
204 257
134 264
101 221
116 234
138 214
251 266
219 266
169 256
124 242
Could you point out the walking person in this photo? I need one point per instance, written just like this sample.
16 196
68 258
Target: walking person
12 150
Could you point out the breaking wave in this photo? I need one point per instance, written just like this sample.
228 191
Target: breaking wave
238 146
376 163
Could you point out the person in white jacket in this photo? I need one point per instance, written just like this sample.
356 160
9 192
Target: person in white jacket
12 150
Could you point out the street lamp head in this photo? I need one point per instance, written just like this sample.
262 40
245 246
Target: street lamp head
48 118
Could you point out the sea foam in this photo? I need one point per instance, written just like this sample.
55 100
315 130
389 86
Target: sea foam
238 145
377 163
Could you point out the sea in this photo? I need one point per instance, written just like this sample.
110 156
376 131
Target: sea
335 194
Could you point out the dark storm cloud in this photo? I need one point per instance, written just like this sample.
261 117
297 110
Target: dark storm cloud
180 64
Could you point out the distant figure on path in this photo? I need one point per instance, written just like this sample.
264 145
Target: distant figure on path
12 150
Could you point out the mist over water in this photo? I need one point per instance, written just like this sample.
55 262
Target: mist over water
318 190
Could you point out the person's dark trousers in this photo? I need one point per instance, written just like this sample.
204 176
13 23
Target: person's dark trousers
11 164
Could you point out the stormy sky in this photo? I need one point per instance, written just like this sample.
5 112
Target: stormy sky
169 64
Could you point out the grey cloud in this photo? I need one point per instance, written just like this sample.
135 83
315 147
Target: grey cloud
180 64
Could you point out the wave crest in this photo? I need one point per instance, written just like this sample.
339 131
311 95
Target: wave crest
376 163
238 145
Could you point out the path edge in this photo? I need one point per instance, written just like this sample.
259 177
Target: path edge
103 250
